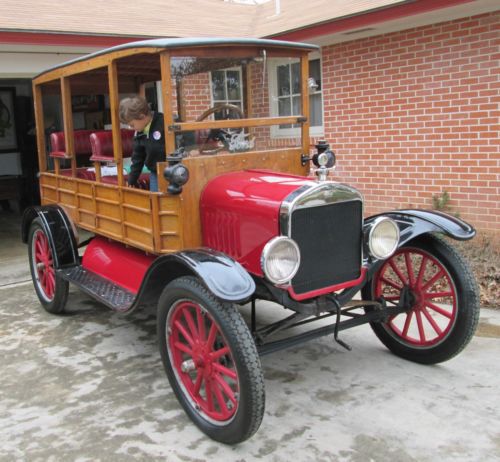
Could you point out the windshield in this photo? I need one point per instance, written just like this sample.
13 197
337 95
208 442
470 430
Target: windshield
250 87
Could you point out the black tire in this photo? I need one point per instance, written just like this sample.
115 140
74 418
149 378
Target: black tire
211 361
445 309
51 289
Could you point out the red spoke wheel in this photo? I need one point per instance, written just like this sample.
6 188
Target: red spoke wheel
51 290
211 361
444 301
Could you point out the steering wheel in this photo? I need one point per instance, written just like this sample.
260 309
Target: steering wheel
210 140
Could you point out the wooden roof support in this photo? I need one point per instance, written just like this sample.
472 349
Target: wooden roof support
166 94
68 123
304 72
40 128
114 104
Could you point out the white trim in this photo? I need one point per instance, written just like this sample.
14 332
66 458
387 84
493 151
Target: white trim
230 101
277 132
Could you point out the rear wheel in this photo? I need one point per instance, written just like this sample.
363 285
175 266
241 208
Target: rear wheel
211 361
444 301
51 289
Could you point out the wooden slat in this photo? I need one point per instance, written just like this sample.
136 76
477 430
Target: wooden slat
304 70
166 95
235 123
68 123
114 103
40 128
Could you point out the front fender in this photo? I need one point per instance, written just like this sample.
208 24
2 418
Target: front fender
222 275
414 222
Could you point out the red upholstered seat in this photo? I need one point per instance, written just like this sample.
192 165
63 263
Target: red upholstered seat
82 144
101 144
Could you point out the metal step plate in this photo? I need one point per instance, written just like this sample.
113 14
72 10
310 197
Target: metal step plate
115 297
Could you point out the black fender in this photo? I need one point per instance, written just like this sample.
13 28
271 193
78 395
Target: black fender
59 230
222 275
414 222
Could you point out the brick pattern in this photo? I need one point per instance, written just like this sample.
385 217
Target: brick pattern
415 113
196 95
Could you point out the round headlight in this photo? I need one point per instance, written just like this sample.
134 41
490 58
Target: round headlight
383 238
280 259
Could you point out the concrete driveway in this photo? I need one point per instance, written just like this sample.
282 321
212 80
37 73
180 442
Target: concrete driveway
89 386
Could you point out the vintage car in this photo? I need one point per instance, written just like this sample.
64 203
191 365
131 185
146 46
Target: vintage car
246 211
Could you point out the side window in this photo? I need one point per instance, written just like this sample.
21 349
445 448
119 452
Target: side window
226 89
285 95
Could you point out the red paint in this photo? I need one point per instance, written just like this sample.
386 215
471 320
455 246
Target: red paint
44 264
367 19
327 290
434 312
120 264
37 38
240 213
203 361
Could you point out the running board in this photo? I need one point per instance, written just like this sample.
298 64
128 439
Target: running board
112 295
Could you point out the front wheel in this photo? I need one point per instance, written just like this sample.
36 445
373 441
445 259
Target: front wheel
444 301
211 361
51 289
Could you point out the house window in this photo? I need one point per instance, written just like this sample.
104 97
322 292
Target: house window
285 95
226 89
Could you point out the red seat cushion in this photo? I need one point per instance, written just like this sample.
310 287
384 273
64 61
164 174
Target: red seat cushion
102 145
82 143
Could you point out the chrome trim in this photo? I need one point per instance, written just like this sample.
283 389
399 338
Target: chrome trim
265 254
314 194
373 225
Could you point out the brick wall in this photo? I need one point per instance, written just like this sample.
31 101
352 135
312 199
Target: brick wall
413 114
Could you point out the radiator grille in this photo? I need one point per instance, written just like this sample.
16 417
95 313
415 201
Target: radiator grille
330 240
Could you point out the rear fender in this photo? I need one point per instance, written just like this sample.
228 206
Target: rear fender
59 230
222 275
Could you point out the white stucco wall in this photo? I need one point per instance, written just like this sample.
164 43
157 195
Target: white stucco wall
27 61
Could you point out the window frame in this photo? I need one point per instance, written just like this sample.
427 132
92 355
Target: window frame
228 101
272 70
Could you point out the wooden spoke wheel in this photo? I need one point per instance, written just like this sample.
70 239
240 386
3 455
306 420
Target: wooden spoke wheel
52 290
211 361
444 301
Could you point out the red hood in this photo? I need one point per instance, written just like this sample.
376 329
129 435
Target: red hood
240 212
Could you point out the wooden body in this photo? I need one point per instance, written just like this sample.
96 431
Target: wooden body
156 222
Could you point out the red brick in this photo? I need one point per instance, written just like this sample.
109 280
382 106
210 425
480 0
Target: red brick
414 112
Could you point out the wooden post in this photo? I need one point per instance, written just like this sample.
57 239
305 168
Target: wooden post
304 75
40 128
68 123
114 103
166 94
